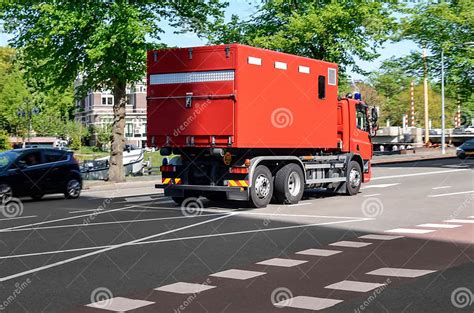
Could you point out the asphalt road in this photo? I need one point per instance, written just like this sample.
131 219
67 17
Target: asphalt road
109 250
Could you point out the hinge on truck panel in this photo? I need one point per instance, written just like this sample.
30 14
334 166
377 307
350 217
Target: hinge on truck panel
189 99
190 53
227 52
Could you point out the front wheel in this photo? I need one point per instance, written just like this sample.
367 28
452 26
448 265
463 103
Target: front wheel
261 191
73 189
6 193
354 178
289 184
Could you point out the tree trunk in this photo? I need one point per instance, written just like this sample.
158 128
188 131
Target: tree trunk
116 172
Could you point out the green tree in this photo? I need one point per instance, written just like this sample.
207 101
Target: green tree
76 133
4 141
335 31
446 25
103 42
103 134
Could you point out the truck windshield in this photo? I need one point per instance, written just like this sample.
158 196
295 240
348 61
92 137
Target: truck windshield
361 117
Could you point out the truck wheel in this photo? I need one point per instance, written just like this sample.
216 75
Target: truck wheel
262 187
354 178
289 184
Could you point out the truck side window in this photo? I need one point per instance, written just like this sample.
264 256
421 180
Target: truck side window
361 118
321 87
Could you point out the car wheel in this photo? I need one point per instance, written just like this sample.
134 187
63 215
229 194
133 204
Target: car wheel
6 193
73 189
462 156
261 191
289 184
354 178
37 197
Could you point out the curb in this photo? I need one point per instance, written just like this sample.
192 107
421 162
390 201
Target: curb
114 186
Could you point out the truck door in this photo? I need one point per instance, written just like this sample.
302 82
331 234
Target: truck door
360 138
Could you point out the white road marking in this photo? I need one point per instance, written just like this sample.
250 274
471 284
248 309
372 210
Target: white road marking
419 174
299 204
238 274
120 304
439 225
441 187
282 262
185 288
400 272
318 252
357 286
82 211
409 231
179 239
308 303
139 199
380 186
460 221
64 219
112 222
380 237
17 218
151 200
372 195
350 244
451 194
80 257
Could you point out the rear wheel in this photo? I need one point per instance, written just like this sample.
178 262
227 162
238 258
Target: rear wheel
73 189
289 184
262 187
354 178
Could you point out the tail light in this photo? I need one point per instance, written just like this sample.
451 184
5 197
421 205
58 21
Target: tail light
239 170
167 168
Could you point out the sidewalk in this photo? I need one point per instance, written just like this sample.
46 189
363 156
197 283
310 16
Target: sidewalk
422 154
131 182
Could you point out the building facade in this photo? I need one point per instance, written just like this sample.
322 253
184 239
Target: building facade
96 110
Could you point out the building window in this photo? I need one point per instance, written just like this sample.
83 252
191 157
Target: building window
107 100
129 100
129 130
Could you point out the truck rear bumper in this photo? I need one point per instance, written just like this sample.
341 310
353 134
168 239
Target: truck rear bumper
232 193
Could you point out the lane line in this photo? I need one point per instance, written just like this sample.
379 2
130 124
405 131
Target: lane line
350 244
17 218
181 239
441 187
400 272
420 174
429 225
65 218
380 186
451 194
410 231
460 221
113 247
82 211
372 195
112 222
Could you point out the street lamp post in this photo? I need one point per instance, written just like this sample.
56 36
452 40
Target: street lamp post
443 132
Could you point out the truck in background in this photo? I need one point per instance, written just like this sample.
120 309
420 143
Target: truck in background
244 123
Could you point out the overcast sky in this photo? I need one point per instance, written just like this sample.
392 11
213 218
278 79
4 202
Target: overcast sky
244 9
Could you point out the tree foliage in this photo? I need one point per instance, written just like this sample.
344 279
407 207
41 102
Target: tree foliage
335 31
103 42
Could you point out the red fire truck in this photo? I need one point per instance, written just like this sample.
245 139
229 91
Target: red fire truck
243 123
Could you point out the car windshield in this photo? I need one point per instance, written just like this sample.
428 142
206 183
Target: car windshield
6 158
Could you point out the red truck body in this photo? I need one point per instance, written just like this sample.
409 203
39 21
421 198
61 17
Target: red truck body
252 97
254 124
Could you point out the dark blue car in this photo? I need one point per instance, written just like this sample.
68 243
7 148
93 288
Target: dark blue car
34 172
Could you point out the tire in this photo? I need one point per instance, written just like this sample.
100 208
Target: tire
72 189
6 193
37 197
462 156
353 179
261 191
289 184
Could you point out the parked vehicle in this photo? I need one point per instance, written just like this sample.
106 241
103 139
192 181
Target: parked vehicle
35 172
469 129
255 125
466 149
